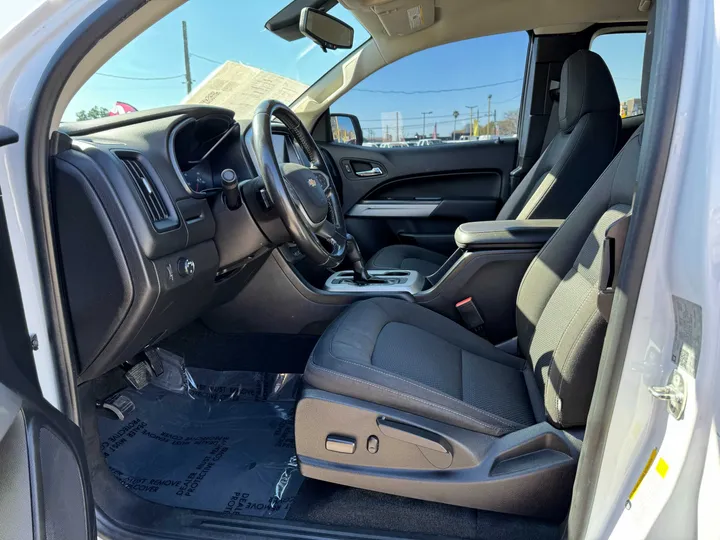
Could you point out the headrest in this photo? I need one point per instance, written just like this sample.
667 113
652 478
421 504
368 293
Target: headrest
585 86
647 58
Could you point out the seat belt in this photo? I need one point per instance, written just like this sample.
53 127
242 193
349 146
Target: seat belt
554 120
613 246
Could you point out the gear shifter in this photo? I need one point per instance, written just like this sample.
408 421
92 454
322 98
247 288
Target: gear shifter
360 274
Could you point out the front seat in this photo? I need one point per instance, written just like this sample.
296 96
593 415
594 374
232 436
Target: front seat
589 121
402 400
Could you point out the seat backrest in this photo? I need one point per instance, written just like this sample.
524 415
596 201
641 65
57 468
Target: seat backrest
589 120
560 329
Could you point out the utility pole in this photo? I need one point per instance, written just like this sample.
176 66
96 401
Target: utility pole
397 125
188 77
423 133
495 127
455 116
488 116
471 116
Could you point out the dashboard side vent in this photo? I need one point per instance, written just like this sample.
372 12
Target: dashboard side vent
155 206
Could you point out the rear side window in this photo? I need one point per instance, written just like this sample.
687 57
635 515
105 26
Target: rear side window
623 54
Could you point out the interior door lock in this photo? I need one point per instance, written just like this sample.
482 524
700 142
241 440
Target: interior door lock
674 392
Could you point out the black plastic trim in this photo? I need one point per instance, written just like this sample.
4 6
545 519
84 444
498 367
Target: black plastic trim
8 136
74 48
18 373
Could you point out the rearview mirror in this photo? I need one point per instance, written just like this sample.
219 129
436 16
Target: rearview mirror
325 30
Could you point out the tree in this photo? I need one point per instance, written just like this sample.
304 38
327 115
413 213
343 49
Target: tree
92 114
509 124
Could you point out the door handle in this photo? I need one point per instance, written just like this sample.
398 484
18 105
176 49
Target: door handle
375 171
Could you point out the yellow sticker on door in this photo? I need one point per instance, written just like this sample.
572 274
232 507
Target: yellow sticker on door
662 467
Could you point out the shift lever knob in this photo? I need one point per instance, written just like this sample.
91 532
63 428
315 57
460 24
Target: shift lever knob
230 189
360 274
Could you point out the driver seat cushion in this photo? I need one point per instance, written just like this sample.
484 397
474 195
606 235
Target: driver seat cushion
407 257
399 354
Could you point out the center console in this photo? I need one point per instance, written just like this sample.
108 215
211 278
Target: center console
380 281
488 266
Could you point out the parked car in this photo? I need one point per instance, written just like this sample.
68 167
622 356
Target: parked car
396 144
429 142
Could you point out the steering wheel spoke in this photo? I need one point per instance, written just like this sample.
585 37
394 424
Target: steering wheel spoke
305 197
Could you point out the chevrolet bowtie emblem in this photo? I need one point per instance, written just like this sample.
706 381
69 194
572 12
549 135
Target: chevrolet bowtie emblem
312 183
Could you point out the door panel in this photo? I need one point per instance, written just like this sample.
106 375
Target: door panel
419 195
44 479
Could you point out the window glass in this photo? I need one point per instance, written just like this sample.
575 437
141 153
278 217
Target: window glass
232 61
623 54
462 91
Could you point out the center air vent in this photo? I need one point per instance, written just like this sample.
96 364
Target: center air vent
153 202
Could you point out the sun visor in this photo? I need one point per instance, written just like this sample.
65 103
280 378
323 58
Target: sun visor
403 17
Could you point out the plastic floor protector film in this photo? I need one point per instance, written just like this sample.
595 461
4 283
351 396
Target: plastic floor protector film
218 441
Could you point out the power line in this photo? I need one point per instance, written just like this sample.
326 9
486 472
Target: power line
140 78
461 118
439 91
435 116
419 125
508 99
206 59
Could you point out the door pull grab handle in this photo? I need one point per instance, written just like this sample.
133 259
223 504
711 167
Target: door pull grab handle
375 171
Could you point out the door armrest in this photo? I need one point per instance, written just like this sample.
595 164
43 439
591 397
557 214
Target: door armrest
517 234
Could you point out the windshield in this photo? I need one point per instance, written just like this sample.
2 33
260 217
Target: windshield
212 52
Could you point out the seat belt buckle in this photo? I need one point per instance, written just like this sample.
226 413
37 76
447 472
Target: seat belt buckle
470 315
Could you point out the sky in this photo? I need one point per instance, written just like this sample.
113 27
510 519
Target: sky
150 71
218 30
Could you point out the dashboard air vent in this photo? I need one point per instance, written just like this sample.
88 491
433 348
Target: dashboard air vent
155 206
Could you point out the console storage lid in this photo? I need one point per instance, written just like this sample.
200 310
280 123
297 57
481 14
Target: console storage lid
485 235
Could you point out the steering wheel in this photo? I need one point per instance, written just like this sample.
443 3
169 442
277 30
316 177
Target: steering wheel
304 197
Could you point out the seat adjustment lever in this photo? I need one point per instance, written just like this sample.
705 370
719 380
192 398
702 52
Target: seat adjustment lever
413 435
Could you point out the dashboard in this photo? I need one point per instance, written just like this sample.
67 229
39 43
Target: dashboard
146 242
196 143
